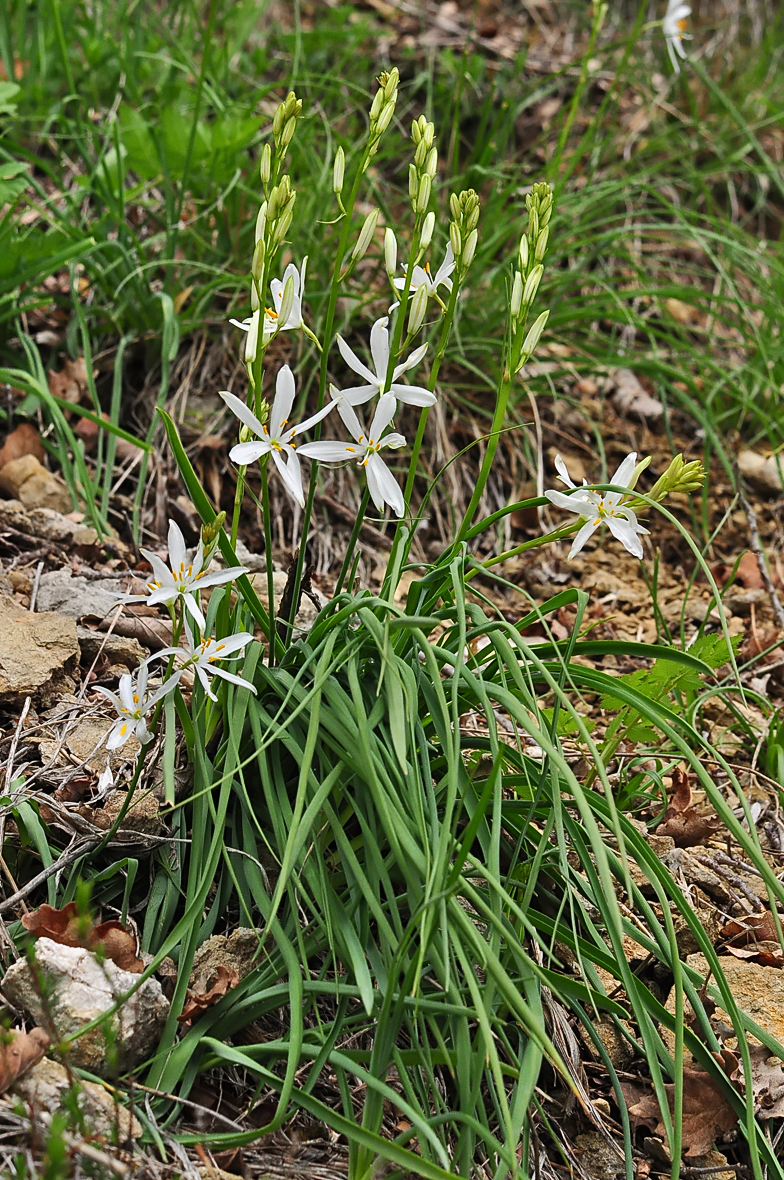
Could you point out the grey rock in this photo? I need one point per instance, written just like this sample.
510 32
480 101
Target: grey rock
47 1088
36 651
73 596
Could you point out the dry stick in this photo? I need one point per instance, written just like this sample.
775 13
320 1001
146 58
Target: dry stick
756 548
62 862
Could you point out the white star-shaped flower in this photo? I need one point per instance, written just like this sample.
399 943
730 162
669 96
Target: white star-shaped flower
133 703
272 314
356 395
204 656
673 27
421 274
185 578
601 506
382 485
277 438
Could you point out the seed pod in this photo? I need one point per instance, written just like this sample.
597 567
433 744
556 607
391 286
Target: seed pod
390 252
428 225
416 315
338 171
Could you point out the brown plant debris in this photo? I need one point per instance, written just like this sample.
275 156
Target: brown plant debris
19 1051
69 928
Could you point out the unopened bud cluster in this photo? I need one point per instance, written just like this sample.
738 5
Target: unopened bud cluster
423 169
463 232
679 477
529 271
284 122
382 109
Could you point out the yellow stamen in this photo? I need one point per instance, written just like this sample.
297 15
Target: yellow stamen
273 315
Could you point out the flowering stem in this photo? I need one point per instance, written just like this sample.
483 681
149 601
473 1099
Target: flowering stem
492 445
265 511
431 385
238 498
352 541
329 320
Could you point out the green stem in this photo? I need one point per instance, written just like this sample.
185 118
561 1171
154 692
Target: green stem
238 497
61 45
546 539
265 511
502 401
352 542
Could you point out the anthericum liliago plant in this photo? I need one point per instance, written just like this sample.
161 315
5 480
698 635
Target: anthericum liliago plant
390 855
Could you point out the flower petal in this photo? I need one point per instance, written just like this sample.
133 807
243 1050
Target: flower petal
160 569
119 734
248 452
379 348
563 474
413 395
393 440
386 488
246 416
291 477
192 606
625 471
623 532
220 577
202 675
385 412
231 676
356 395
353 361
125 692
350 420
579 503
329 451
588 529
178 556
285 391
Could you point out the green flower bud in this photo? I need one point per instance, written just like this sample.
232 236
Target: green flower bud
532 284
265 164
532 339
416 315
261 222
210 535
541 244
431 165
454 206
469 249
390 82
516 300
385 118
428 225
390 252
420 153
257 265
423 195
413 182
284 223
365 236
522 254
376 105
286 302
338 171
455 239
288 132
416 132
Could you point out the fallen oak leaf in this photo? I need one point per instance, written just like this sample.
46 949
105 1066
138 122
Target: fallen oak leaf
69 928
19 1051
226 978
681 821
707 1113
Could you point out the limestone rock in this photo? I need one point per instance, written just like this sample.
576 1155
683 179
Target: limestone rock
73 596
79 989
27 480
599 1159
764 474
117 649
36 651
631 397
85 744
48 1087
758 991
238 952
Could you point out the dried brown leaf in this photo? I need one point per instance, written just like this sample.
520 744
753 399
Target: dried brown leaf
707 1113
19 1051
68 928
197 1002
682 822
25 440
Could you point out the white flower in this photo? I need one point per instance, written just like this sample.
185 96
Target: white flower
185 578
277 438
673 27
272 314
203 656
132 704
421 274
602 506
382 485
412 395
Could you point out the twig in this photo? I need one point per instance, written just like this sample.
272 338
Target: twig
9 766
756 548
62 862
36 584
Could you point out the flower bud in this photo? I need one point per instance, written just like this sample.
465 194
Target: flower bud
541 244
416 132
416 315
284 222
413 182
429 134
255 302
245 434
454 206
261 221
532 284
428 225
516 301
338 171
455 239
385 118
277 119
431 166
420 154
252 339
286 302
257 265
365 236
390 82
533 224
532 339
469 249
642 466
265 164
423 195
376 105
390 252
288 132
522 253
210 535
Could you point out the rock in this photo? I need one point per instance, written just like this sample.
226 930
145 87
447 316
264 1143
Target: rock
48 1087
238 952
27 480
307 611
758 990
46 524
631 397
37 651
117 649
79 989
766 475
142 818
712 1163
73 596
620 1051
599 1159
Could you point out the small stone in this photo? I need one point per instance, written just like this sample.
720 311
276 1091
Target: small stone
764 474
77 990
631 397
76 597
599 1159
143 817
27 480
84 744
117 649
48 1087
237 951
37 651
758 990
